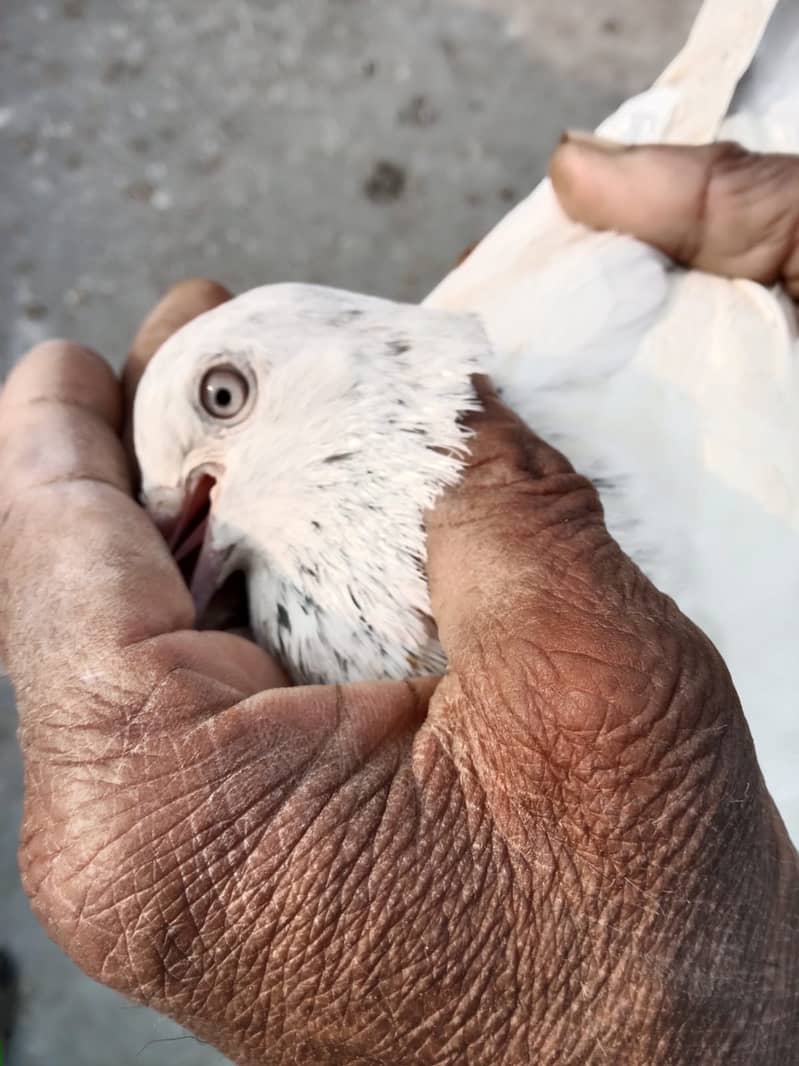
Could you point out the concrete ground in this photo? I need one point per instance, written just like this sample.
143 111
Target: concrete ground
351 142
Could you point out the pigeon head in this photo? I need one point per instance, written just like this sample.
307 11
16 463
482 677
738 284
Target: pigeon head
297 434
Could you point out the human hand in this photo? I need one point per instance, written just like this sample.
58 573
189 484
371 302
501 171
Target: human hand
716 207
560 853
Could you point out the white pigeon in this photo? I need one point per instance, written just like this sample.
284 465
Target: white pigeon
320 424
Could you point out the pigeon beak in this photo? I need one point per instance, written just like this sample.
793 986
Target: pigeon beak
184 529
209 572
187 528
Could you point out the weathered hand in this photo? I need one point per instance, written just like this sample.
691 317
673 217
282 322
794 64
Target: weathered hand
717 207
561 853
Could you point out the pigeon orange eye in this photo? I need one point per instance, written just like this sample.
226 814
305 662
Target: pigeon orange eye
224 392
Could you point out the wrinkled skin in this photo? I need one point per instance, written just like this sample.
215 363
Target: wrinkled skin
561 853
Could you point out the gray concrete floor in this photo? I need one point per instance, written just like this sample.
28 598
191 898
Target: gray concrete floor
347 142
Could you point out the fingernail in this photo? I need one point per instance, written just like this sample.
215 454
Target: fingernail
591 140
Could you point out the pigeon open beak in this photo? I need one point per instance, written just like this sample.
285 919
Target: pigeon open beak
187 532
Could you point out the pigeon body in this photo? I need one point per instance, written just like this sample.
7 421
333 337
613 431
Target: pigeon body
676 391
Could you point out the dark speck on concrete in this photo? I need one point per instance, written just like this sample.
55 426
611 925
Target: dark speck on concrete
73 9
508 194
369 68
386 183
35 311
55 70
26 144
208 164
119 69
611 26
418 112
139 145
142 191
231 126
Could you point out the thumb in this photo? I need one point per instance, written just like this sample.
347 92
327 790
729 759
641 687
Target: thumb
716 207
574 686
518 547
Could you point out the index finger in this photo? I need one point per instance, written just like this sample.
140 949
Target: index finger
717 207
84 570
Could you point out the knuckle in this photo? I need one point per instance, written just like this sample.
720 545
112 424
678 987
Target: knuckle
750 213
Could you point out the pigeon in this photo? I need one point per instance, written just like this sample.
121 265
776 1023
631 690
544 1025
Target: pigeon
318 425
298 433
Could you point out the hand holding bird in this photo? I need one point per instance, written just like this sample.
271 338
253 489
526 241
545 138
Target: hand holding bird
297 434
563 845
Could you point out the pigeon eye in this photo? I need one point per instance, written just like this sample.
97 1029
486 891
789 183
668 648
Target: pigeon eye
224 392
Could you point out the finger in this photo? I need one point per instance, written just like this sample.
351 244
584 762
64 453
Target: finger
180 305
716 207
60 388
81 562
